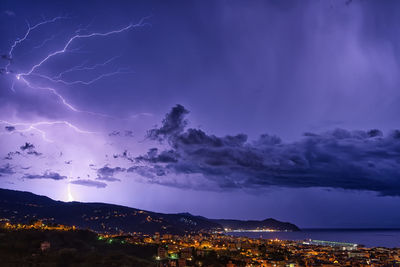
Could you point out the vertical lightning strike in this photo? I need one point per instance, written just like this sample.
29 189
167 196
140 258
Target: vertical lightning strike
70 197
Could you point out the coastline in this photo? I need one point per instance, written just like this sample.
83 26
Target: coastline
387 238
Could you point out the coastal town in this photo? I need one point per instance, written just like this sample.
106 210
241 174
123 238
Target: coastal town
197 250
220 249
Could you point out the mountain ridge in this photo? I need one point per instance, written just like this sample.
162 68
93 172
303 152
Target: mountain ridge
24 207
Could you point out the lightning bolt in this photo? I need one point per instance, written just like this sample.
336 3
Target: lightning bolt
24 77
70 197
27 33
141 23
29 77
61 98
34 127
82 67
52 90
89 82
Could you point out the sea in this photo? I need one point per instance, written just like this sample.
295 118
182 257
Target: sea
389 238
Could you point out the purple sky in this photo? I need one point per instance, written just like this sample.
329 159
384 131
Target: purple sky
226 109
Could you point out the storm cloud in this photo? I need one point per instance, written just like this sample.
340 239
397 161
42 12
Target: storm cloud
126 133
107 174
90 183
173 124
47 175
27 146
29 149
10 155
6 169
9 128
356 160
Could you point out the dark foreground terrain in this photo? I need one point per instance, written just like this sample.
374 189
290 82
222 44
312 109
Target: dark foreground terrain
69 248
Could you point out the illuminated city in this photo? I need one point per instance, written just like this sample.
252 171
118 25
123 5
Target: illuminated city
208 249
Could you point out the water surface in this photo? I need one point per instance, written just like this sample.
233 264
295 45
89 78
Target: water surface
389 238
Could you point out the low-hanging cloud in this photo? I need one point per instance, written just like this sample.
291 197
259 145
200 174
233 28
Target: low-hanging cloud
356 160
47 175
9 128
27 149
6 169
27 146
107 173
89 183
126 133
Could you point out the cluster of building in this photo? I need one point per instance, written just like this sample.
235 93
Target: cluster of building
214 249
35 225
201 249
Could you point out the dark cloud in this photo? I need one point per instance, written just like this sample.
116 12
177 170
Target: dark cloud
9 128
108 179
46 175
107 174
10 155
173 124
149 172
357 160
124 155
34 153
155 157
6 169
126 133
114 133
30 149
27 146
90 183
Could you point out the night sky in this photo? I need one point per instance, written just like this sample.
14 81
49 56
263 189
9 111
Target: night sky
225 109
